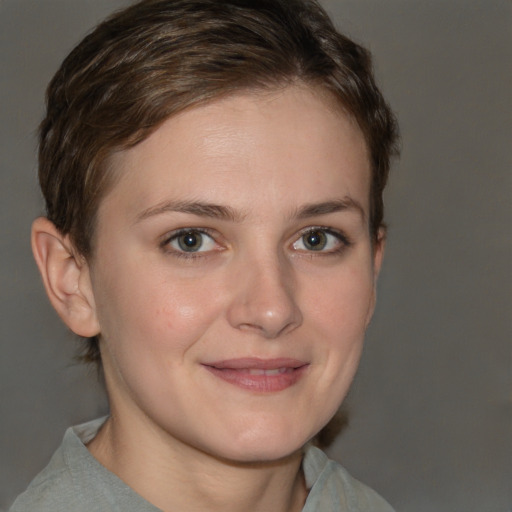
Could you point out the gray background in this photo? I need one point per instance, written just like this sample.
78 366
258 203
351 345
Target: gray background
431 408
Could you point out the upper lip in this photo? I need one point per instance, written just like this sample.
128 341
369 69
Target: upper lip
256 363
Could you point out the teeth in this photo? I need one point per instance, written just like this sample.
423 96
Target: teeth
259 371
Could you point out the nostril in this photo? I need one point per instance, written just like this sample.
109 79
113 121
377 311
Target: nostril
250 328
264 302
272 325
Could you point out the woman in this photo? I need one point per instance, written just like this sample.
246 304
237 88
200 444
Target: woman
213 175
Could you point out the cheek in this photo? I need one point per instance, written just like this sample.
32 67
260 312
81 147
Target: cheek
340 310
180 314
342 303
154 312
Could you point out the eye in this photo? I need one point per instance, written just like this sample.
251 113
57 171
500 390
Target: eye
321 240
191 241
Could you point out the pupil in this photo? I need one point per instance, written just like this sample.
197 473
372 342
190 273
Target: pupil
190 242
315 240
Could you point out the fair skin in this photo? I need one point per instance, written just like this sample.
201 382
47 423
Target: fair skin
232 281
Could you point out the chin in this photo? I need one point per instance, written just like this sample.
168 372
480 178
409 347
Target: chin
261 454
266 445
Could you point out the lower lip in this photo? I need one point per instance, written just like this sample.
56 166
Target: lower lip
259 382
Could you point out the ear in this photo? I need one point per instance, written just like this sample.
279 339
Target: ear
66 278
377 257
378 253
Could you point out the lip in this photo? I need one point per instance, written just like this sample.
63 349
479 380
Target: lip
260 375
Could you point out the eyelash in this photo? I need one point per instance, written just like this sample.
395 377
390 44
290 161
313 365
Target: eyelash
344 242
342 239
175 235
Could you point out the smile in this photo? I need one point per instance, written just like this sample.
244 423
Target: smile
275 371
259 375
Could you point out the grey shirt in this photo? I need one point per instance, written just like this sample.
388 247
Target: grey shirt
75 481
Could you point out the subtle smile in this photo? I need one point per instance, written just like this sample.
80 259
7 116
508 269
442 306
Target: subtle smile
260 375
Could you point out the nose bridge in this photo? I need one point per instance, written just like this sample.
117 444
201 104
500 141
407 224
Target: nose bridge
264 295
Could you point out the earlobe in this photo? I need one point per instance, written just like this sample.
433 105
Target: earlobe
66 278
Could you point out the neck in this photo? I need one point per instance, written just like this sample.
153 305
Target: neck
175 476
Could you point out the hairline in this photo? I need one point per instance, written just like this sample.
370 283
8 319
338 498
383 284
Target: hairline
260 87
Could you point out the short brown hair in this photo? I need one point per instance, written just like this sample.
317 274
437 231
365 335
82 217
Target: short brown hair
159 57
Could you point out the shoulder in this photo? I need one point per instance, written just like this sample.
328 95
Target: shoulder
51 490
332 488
75 481
59 486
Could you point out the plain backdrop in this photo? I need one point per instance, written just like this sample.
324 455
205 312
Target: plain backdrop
431 408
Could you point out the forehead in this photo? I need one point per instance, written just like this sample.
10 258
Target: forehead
294 142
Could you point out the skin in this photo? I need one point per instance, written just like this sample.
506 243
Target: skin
253 289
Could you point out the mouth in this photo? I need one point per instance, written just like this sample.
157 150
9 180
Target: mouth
259 375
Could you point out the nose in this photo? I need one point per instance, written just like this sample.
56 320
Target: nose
264 299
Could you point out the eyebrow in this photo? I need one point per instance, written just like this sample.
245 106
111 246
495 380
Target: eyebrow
198 208
324 208
216 211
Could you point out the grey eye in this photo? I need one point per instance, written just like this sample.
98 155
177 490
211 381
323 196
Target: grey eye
320 240
315 240
192 241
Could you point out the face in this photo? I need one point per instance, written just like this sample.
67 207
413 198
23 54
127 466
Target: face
234 274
